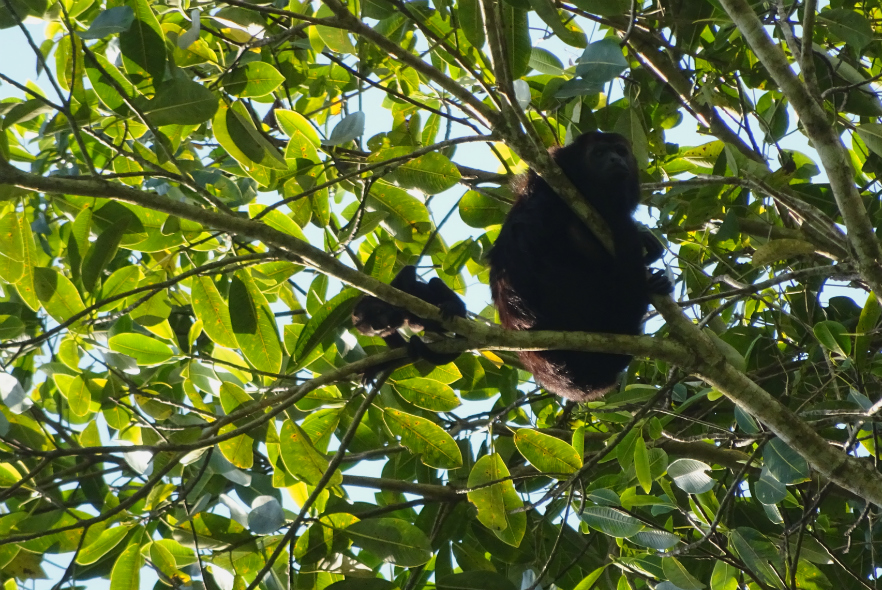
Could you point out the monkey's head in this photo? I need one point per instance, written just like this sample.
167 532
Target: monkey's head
597 160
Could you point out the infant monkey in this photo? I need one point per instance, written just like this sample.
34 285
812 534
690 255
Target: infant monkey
375 317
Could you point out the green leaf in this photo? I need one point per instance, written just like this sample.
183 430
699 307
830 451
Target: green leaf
755 550
471 19
237 450
144 349
871 134
212 310
110 21
301 458
850 26
479 210
588 582
122 280
277 220
329 318
126 574
291 122
517 39
601 62
143 45
102 252
810 577
349 128
605 7
12 247
494 495
545 62
254 324
435 447
724 577
775 250
79 398
548 13
475 580
241 140
868 320
392 540
337 39
641 464
679 575
101 546
654 539
181 102
690 476
768 489
255 78
548 454
57 294
10 327
427 394
431 173
102 75
833 336
784 463
610 521
406 215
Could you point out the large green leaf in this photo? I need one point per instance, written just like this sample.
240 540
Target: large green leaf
98 548
494 495
548 454
57 294
301 458
126 574
143 45
144 349
431 173
517 40
612 522
435 447
254 324
255 78
427 393
475 580
181 102
211 309
392 540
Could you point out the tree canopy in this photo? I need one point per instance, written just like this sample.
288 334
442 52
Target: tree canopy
195 196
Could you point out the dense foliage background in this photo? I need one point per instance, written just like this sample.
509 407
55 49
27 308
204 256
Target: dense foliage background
195 197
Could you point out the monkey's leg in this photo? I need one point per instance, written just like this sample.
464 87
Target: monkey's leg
446 299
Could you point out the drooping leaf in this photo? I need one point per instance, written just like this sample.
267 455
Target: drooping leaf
494 495
144 349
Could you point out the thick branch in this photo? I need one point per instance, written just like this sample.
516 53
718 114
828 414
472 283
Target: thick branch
823 136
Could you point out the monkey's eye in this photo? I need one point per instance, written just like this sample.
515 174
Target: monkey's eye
621 150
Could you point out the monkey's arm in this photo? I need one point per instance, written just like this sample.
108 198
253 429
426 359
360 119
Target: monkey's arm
654 248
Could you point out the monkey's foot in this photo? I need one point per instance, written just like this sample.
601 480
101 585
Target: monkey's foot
658 283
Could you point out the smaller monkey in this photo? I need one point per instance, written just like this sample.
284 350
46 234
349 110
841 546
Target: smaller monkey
375 317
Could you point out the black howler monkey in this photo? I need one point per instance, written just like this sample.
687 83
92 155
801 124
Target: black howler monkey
375 317
549 272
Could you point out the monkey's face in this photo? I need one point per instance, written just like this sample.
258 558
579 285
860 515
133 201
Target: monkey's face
610 161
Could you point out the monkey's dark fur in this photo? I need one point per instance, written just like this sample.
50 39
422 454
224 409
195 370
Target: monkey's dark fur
375 317
549 272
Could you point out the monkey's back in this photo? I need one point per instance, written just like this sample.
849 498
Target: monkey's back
549 272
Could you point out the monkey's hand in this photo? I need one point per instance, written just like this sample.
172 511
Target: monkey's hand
452 308
658 283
